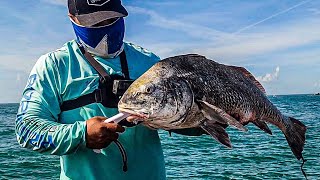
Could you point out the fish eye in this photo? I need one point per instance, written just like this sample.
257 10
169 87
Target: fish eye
149 89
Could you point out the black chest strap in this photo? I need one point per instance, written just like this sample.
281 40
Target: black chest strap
104 94
124 65
98 67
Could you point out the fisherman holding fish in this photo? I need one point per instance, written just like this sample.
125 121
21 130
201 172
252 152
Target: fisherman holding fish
70 93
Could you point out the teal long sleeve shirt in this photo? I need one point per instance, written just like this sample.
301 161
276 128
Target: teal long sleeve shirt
41 126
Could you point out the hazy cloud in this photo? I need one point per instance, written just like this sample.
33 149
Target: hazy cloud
289 40
18 77
270 76
267 40
272 16
228 46
314 11
192 30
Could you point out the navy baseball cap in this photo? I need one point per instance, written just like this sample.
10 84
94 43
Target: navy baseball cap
90 12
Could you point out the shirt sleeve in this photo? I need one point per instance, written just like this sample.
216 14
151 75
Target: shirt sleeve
37 126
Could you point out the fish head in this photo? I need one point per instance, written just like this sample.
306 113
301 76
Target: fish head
158 97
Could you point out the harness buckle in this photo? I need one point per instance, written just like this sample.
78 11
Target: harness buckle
98 95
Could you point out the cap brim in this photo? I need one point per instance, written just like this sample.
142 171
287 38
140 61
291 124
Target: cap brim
97 17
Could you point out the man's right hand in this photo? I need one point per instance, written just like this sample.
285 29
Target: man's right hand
100 134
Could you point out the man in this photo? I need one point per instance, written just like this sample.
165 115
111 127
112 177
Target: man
64 104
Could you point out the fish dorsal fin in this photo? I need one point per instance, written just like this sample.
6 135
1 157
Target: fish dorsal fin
245 72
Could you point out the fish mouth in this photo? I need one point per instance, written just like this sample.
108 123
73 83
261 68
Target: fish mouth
139 113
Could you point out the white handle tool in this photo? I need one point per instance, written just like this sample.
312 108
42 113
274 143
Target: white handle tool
116 119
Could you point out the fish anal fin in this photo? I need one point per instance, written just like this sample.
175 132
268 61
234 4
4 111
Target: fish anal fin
216 114
217 132
263 126
245 72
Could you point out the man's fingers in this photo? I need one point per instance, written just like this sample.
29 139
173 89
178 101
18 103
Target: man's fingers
114 127
100 134
108 135
113 136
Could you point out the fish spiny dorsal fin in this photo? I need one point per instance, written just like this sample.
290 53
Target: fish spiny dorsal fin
245 72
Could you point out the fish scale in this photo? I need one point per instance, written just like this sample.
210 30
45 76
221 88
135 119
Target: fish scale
215 84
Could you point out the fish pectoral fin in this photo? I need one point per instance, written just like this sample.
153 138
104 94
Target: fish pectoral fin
263 126
214 113
217 131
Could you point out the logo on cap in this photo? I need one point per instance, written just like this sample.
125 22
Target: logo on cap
97 2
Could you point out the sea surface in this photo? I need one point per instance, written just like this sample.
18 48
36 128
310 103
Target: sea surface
255 154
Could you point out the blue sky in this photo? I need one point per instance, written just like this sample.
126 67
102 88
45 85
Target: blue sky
278 41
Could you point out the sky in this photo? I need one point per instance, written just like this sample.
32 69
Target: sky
278 41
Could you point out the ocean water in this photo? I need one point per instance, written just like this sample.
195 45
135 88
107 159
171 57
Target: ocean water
255 154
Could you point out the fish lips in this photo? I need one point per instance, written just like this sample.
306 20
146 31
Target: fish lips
140 113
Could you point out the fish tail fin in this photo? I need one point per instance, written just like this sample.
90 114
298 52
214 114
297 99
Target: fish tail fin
295 134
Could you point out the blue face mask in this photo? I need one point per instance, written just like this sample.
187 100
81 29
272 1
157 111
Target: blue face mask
105 41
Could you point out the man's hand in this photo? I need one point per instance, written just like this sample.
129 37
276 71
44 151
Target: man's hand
100 134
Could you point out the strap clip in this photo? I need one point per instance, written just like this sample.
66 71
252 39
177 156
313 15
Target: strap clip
98 96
